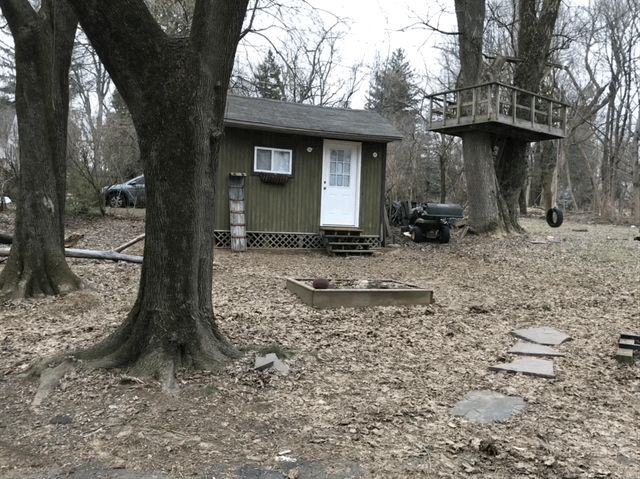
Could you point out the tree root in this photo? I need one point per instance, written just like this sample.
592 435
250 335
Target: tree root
49 379
20 281
144 347
136 346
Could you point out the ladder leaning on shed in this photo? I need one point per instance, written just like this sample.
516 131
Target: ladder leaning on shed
237 221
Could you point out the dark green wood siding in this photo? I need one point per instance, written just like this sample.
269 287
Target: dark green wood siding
295 206
371 187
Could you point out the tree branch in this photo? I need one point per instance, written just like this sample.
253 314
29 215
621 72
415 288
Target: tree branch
19 13
128 40
435 29
214 21
249 27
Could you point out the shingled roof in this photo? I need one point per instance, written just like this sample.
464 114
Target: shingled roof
279 116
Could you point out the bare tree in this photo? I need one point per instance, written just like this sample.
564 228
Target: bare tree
620 60
635 157
91 87
175 88
482 184
536 24
43 44
495 187
308 57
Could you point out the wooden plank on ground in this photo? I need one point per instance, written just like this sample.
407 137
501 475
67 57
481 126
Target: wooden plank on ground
623 355
627 335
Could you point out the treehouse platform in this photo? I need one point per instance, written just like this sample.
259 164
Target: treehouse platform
503 110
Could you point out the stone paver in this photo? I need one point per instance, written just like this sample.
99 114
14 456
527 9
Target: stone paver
271 360
306 469
531 349
488 406
542 335
265 362
532 366
63 419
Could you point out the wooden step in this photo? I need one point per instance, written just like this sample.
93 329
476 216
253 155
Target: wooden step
340 241
347 248
361 252
346 241
627 344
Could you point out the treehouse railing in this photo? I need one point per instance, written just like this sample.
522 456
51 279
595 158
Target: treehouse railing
496 102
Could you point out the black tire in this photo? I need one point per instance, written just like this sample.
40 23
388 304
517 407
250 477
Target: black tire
554 217
117 200
417 235
444 233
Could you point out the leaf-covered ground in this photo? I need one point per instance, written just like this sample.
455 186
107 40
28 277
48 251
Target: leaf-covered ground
370 390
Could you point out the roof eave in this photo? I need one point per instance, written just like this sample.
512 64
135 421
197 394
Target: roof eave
309 132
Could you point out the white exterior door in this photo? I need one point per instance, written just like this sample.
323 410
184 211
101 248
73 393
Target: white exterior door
340 203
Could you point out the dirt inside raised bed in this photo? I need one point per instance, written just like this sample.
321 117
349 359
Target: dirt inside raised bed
362 284
370 391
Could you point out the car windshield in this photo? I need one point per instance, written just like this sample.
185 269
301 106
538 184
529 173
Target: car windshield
136 181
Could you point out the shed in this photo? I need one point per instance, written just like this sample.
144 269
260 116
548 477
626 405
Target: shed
313 174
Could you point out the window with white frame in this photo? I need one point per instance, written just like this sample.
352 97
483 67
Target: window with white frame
272 160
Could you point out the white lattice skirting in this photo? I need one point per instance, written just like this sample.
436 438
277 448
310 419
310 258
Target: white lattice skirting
258 239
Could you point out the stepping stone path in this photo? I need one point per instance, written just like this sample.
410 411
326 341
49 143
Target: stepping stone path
488 406
271 361
542 335
530 349
542 368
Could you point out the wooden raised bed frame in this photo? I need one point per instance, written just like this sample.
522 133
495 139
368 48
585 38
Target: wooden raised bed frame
405 294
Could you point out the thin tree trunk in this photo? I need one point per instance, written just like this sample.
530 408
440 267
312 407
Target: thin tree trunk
549 166
43 44
564 164
443 177
635 158
593 176
524 196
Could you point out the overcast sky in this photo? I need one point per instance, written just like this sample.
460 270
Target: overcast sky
378 27
381 26
374 27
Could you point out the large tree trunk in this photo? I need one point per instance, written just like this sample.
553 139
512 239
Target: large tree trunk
482 188
536 23
511 171
176 97
43 44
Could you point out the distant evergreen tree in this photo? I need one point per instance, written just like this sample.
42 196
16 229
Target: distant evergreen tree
393 94
268 78
392 90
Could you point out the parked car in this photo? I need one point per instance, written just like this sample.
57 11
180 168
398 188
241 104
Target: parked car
123 195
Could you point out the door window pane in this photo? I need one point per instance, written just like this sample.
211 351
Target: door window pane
340 168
